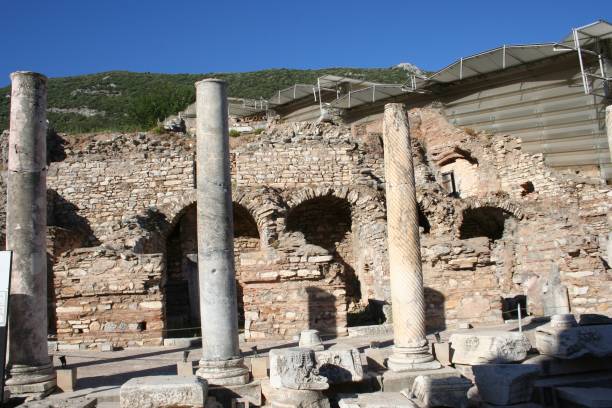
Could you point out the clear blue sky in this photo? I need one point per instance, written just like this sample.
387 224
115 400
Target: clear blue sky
72 37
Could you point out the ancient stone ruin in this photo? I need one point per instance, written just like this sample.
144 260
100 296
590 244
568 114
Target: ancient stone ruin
482 270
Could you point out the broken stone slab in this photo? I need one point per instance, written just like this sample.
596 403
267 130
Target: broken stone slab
505 384
591 397
80 402
288 398
339 365
488 347
163 391
439 392
376 400
311 339
550 366
295 368
571 342
397 382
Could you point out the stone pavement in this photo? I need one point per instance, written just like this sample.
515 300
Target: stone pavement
101 374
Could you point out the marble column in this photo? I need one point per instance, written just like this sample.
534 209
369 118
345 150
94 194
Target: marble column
30 369
411 351
609 132
221 363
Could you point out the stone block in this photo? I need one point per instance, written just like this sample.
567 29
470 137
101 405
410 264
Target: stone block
573 342
79 402
482 347
441 352
505 384
376 400
591 397
226 394
295 368
259 367
163 391
399 381
550 366
66 379
439 392
311 339
376 357
184 368
339 365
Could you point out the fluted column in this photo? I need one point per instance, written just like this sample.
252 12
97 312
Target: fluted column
30 370
221 363
411 351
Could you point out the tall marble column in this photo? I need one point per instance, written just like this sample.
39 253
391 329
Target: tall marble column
30 370
609 132
411 351
221 363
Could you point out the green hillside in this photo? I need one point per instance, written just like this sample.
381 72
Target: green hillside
122 101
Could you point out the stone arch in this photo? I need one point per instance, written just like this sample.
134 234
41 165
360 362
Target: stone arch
355 239
470 205
263 204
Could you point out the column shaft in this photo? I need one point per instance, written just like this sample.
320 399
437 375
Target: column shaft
221 362
26 227
408 304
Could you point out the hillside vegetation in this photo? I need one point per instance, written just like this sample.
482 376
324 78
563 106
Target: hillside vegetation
128 101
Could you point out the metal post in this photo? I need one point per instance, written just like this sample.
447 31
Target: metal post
585 82
519 319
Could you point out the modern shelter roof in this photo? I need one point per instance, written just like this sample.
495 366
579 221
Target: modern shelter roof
503 57
331 81
369 94
589 33
292 93
246 107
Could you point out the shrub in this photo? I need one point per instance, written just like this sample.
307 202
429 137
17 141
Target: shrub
234 133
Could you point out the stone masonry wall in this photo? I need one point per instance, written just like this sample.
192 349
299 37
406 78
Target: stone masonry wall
533 229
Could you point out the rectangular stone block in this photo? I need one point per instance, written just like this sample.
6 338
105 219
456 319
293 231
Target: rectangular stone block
595 397
505 384
441 352
184 368
339 365
574 342
377 400
163 391
376 357
490 346
259 367
66 379
397 382
228 393
439 392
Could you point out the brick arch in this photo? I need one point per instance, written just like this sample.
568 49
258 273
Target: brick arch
502 203
262 204
364 202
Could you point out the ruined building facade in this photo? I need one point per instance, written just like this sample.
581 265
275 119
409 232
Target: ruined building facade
499 230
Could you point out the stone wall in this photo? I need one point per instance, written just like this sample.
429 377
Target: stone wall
311 231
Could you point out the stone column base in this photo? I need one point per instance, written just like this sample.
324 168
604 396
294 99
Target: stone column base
224 372
31 381
412 359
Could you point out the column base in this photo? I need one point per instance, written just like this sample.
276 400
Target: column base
224 372
31 381
412 359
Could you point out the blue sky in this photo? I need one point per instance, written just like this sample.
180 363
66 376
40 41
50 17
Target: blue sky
72 37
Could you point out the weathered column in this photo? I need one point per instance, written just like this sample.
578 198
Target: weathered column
221 362
30 369
411 351
609 128
609 132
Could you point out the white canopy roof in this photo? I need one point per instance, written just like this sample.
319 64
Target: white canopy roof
506 56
